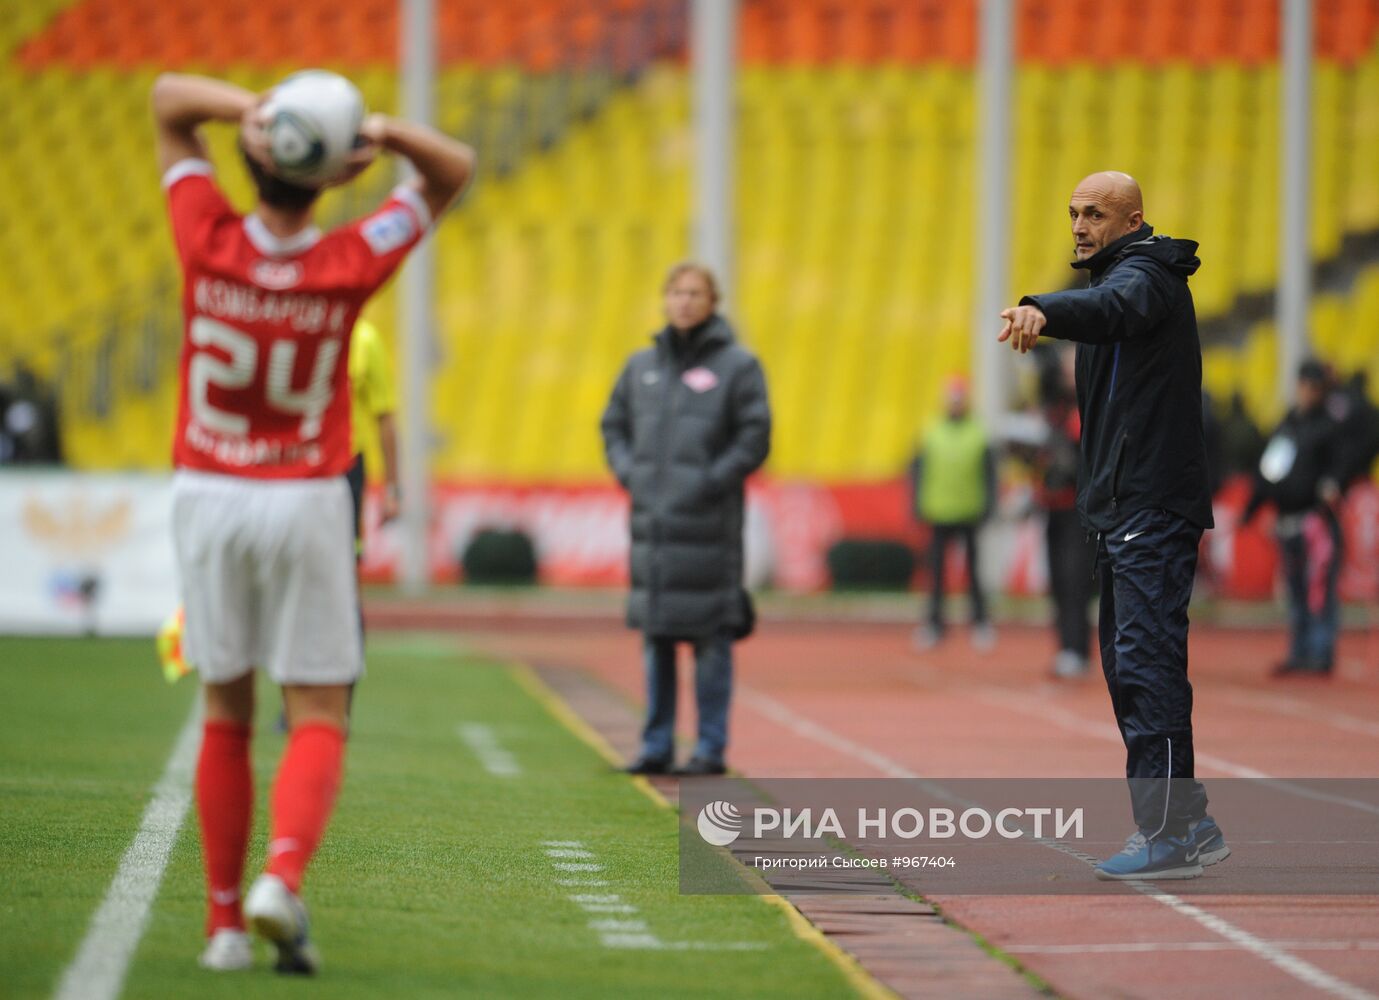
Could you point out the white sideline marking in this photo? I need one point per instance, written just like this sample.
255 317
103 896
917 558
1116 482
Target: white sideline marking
611 925
623 931
484 742
1276 956
603 902
577 866
102 961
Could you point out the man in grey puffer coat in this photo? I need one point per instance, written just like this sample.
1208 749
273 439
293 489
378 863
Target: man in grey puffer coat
687 423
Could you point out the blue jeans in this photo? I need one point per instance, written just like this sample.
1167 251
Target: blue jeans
713 686
1311 549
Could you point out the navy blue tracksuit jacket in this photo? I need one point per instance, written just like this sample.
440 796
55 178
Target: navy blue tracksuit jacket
1143 488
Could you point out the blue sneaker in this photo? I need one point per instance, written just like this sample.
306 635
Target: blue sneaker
1141 858
1210 841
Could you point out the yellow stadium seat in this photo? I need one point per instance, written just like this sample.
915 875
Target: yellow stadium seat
855 194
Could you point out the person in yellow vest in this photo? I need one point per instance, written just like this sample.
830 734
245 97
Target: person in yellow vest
954 479
373 401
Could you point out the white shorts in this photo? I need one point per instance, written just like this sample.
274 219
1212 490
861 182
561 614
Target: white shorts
268 577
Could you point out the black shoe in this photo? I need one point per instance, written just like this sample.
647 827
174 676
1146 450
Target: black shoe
1302 668
698 767
648 765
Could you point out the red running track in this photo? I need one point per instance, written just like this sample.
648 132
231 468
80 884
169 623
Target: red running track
821 701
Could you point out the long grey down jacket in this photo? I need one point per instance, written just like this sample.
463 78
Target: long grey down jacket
687 423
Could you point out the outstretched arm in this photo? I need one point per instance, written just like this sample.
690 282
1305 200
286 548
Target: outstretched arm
1129 303
1132 301
181 103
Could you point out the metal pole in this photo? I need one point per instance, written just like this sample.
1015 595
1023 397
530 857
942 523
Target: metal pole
416 307
992 248
1295 190
713 49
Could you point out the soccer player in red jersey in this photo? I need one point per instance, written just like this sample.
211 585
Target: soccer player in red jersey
261 508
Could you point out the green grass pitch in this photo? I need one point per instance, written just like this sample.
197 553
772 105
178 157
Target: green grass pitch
432 882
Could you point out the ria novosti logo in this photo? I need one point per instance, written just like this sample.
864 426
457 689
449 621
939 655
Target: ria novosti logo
720 823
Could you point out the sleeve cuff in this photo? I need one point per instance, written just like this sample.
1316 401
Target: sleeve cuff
410 197
190 167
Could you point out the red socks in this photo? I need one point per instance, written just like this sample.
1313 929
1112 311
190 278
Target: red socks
225 804
303 797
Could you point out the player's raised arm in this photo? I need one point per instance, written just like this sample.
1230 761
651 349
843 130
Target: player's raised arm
444 165
181 103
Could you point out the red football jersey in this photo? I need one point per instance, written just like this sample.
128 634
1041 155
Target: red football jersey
265 353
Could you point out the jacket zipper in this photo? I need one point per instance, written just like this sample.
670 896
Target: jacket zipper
670 406
662 444
1115 366
1115 472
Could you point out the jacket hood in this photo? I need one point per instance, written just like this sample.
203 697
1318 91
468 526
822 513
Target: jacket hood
1179 256
714 331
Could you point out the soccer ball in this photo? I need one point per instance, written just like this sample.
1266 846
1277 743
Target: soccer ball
313 119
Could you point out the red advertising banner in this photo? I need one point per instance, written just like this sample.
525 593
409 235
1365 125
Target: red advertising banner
580 535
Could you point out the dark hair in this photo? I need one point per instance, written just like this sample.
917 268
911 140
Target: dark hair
277 192
1312 370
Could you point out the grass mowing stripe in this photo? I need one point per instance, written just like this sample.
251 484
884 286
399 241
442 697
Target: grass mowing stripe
98 971
89 724
432 881
857 977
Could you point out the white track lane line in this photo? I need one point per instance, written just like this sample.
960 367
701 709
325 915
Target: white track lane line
1106 732
102 961
1298 968
1286 706
1141 947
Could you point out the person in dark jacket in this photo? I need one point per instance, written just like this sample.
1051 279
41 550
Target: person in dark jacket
687 423
1300 473
1358 422
1071 551
1143 488
1241 441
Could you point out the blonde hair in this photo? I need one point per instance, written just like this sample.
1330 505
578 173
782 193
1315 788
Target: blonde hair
691 267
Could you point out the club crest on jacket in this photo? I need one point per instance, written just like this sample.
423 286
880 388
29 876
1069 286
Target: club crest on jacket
699 379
